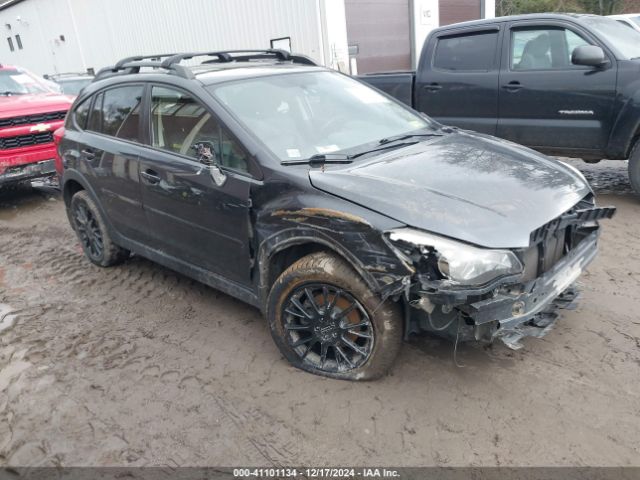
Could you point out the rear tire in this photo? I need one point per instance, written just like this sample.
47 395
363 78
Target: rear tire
92 232
326 321
634 168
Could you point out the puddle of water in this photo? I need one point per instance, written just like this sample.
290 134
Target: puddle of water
10 371
22 200
6 319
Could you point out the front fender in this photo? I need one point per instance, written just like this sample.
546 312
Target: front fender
626 127
352 232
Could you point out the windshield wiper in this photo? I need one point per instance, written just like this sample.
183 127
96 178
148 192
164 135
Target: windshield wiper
407 136
9 92
321 159
385 147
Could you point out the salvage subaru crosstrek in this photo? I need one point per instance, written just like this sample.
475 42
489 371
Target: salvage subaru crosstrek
349 219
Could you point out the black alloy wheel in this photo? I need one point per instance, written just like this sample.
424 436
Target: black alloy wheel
88 231
328 328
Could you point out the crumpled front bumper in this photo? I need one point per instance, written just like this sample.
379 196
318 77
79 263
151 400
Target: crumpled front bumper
28 171
532 309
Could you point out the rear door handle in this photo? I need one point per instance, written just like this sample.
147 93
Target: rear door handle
150 176
88 154
433 87
512 86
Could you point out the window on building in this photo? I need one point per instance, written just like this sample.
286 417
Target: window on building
19 42
116 112
472 52
543 48
180 124
10 42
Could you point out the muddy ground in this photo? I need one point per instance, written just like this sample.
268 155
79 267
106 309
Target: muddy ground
136 365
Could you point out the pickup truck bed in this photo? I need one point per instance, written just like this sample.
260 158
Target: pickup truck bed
397 84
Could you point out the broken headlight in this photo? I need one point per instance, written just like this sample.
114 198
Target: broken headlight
457 261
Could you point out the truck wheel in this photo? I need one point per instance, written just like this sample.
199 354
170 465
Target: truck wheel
325 320
634 168
92 232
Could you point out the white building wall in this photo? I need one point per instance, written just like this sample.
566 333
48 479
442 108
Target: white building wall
99 32
489 8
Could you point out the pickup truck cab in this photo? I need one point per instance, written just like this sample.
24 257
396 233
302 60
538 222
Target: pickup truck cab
30 111
562 84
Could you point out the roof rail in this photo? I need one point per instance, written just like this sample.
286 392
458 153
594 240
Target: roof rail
244 55
172 61
139 58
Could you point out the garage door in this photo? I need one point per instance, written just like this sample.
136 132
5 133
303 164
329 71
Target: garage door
381 31
454 11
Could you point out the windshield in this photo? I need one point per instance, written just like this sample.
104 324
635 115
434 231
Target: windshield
73 87
635 20
304 114
624 39
19 82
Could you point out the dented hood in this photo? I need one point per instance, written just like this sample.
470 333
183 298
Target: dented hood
470 187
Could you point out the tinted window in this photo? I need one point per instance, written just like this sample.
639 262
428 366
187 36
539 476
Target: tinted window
121 112
82 113
180 124
543 48
95 118
466 52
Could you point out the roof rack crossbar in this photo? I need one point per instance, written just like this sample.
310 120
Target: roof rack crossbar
172 61
138 58
232 55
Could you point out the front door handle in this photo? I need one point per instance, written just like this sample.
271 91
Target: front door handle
512 86
88 154
433 87
150 176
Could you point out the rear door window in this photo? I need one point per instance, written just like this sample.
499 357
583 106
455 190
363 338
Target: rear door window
471 52
116 112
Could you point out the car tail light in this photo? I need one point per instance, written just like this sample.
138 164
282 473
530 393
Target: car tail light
57 138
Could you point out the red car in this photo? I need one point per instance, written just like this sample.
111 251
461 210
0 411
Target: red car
31 109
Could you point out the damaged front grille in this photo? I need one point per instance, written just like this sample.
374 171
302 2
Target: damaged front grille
552 241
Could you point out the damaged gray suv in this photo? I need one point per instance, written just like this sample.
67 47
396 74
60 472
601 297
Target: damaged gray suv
349 219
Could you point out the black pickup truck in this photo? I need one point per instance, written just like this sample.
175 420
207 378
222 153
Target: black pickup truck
562 84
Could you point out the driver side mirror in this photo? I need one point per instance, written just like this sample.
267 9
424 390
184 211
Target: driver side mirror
589 55
206 155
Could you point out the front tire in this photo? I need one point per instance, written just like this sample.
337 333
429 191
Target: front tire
634 168
92 232
326 321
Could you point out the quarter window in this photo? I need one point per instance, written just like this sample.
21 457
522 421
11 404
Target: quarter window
95 118
180 124
473 52
82 113
543 48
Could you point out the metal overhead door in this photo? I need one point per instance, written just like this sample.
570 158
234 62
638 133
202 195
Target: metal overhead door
381 31
454 11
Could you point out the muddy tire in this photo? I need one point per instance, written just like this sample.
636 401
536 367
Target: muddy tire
634 168
325 320
92 232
